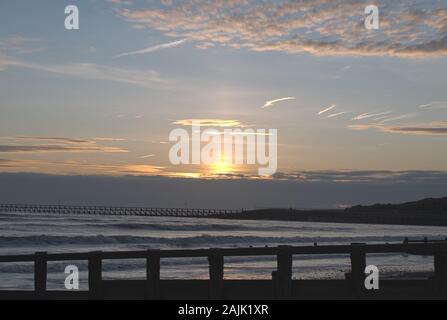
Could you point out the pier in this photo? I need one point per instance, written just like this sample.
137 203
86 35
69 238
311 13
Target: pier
113 211
281 286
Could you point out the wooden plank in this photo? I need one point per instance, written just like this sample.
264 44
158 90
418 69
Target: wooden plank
440 261
216 270
153 274
40 272
283 276
358 264
95 274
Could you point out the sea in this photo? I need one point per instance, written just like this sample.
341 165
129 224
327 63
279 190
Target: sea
29 233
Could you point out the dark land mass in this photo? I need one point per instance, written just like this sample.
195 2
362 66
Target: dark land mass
428 212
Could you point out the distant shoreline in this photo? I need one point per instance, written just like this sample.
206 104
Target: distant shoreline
331 216
427 212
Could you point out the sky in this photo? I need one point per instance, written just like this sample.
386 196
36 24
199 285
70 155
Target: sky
102 100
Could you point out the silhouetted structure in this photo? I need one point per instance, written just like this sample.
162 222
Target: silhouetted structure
115 211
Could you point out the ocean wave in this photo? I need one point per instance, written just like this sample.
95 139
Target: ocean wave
172 227
192 241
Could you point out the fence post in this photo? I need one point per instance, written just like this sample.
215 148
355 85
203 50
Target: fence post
40 272
358 265
95 274
216 269
153 274
440 260
283 277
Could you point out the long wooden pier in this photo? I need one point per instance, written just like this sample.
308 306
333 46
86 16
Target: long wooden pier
114 211
281 286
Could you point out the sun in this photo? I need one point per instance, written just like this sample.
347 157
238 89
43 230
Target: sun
221 166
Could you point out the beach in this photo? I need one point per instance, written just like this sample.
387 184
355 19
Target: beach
29 233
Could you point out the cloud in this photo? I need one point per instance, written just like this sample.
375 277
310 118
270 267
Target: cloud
109 139
420 130
327 109
400 117
121 2
141 169
210 122
434 105
61 139
147 156
153 48
438 128
73 167
348 176
316 27
60 144
148 79
333 115
243 133
19 44
57 148
150 191
272 102
370 115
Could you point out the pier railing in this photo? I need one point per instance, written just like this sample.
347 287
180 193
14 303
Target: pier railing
282 285
116 211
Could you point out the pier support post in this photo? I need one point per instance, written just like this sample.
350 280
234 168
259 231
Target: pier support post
216 268
95 274
358 265
153 274
40 272
440 260
283 276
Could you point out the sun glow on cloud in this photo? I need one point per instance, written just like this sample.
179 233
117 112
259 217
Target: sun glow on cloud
210 122
143 169
222 167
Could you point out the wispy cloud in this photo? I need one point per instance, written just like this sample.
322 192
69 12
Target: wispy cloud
74 167
18 44
363 176
109 139
149 78
270 103
33 144
429 129
147 156
210 122
57 139
141 169
254 133
400 117
153 48
434 105
57 148
327 109
370 115
333 115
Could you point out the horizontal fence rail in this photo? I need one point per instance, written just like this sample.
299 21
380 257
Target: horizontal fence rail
114 211
282 282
